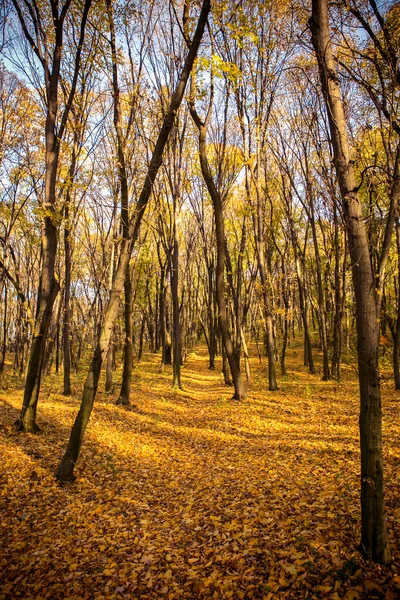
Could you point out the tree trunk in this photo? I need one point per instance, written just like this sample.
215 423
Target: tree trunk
240 390
211 317
124 395
286 320
123 181
269 325
3 335
309 361
396 331
321 296
48 285
339 296
374 542
67 307
109 367
141 335
176 328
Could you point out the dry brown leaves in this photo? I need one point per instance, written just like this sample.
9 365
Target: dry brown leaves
191 495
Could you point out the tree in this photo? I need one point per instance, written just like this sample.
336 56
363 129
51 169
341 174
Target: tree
374 542
44 32
217 197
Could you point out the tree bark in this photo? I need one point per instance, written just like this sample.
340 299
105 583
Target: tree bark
374 543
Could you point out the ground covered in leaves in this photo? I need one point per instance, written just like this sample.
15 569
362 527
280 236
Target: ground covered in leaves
188 494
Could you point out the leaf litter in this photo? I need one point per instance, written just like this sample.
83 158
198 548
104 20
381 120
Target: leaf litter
186 494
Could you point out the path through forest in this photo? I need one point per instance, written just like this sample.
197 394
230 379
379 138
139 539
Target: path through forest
192 495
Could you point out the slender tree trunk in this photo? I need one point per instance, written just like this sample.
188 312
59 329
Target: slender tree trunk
109 367
65 470
162 324
374 542
211 316
4 335
123 181
337 324
240 390
124 395
176 326
321 296
225 367
141 335
396 329
304 316
67 307
269 324
57 347
286 320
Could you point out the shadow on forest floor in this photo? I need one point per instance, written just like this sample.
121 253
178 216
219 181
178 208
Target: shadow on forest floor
187 494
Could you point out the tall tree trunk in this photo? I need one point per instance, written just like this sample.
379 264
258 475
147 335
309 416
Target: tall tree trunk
396 328
67 285
308 356
176 327
211 316
286 318
123 181
320 289
48 285
223 322
374 542
339 295
269 324
65 470
3 334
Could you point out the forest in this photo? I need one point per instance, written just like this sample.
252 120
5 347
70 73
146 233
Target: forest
200 299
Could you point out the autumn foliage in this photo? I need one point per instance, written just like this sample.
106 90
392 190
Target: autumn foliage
188 494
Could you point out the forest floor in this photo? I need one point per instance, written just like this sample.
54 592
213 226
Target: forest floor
188 494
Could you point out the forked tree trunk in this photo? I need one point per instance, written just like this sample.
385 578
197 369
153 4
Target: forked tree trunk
65 470
240 389
48 285
374 542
